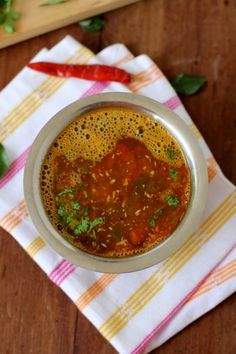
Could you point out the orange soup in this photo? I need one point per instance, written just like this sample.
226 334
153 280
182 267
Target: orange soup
115 182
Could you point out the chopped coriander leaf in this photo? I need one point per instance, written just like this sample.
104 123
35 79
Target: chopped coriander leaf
75 205
71 220
71 190
65 191
171 154
152 222
160 210
82 226
172 200
157 215
173 172
96 222
61 210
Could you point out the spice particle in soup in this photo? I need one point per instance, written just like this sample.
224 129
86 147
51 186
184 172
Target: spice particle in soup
111 190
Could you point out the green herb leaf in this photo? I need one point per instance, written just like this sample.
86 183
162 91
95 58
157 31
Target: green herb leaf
83 226
95 24
4 163
157 215
53 2
61 210
65 191
172 200
171 154
71 220
96 222
173 172
187 84
71 190
8 16
75 205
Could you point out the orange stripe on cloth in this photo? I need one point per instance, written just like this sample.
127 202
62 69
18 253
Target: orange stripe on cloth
123 60
218 277
212 168
14 217
94 290
145 78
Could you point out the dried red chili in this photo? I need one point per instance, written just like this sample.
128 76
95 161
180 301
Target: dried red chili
94 72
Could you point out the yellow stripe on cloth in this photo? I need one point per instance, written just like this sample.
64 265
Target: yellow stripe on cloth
35 246
36 97
195 130
117 321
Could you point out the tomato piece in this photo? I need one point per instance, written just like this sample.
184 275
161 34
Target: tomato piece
137 235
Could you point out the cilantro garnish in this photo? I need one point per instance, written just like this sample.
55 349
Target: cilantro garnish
71 190
172 200
75 205
173 172
156 216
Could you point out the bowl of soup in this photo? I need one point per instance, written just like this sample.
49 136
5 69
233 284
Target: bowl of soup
115 182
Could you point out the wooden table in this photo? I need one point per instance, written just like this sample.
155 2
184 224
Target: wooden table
181 36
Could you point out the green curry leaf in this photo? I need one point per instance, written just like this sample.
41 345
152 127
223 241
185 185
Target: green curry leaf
187 84
95 24
4 163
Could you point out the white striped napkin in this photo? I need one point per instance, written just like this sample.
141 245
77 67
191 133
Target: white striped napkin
163 299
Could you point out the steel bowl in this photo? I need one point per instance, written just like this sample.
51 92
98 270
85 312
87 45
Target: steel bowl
177 128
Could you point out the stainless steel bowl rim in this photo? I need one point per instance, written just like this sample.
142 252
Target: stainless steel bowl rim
190 148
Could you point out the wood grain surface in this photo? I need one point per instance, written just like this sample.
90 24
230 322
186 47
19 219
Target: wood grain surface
195 36
36 19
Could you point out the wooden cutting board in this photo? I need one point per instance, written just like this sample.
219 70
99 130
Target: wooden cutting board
36 20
